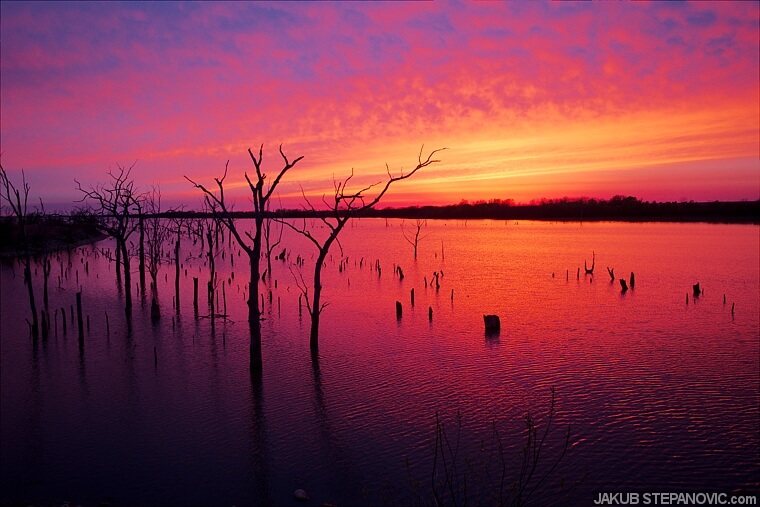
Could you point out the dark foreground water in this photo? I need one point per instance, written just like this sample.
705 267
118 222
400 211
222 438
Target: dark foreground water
660 394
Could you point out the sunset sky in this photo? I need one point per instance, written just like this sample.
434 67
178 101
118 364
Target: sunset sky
658 100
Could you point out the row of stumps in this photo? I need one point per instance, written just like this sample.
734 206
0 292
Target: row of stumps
400 308
45 320
697 291
80 324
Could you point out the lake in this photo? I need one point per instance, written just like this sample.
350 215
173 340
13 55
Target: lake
661 390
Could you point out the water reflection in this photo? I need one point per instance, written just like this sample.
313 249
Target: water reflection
259 452
648 380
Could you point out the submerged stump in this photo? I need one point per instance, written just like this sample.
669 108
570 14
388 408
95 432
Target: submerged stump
492 323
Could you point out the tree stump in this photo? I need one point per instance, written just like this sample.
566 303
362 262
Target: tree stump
492 323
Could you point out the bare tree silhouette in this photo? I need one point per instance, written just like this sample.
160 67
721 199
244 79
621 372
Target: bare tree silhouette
414 237
222 212
117 206
344 205
18 204
157 234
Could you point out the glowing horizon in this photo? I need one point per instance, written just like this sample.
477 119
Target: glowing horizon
531 100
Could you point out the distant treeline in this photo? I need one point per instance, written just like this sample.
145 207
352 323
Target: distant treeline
619 208
48 232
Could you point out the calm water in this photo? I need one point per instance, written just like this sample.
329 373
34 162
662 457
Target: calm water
661 395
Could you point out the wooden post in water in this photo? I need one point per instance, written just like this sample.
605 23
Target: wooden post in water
398 309
412 297
430 313
108 327
195 295
176 276
63 319
79 318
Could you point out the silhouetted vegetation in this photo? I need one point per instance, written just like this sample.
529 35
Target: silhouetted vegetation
51 232
496 474
117 204
221 212
345 204
618 208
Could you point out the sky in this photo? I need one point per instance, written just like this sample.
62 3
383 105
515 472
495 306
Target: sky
531 100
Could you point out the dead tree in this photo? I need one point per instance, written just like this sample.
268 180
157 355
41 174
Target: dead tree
176 226
271 242
585 266
115 204
414 238
157 235
141 252
222 212
18 204
46 266
345 204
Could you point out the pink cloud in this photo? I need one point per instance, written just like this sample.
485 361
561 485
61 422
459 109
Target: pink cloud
184 87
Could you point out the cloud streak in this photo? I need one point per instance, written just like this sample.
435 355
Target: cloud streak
184 87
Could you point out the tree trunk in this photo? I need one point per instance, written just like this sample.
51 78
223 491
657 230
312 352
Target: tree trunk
127 279
118 263
176 275
32 304
254 256
254 312
316 310
142 255
46 276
